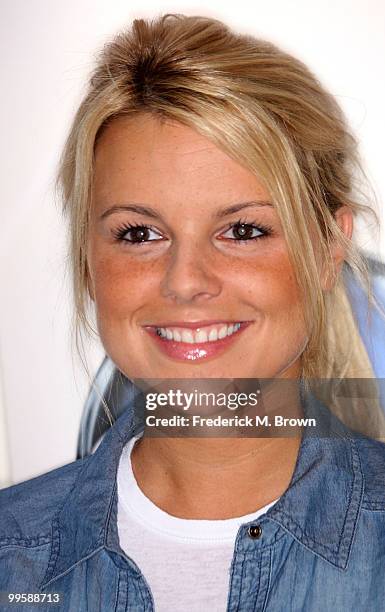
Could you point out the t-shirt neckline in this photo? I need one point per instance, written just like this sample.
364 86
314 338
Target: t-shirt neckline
140 507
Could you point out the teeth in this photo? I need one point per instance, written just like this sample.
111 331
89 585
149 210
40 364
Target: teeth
201 336
213 335
187 336
210 334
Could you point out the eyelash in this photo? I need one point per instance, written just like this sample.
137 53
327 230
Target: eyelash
122 230
266 230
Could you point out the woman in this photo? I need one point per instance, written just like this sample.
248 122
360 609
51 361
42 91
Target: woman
208 183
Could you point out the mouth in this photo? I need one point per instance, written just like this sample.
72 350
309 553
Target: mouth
197 340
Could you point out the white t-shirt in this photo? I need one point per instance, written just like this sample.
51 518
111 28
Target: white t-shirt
185 562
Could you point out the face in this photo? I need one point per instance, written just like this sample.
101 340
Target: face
189 268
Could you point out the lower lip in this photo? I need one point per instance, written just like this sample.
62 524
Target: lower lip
184 351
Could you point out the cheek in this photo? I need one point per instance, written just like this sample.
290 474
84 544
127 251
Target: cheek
121 284
270 284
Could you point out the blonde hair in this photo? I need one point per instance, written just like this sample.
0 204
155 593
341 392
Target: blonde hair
268 112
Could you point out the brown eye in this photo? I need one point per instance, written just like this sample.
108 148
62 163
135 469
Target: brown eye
136 234
246 232
139 234
243 231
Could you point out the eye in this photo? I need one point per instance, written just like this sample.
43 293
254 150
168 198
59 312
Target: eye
244 232
136 234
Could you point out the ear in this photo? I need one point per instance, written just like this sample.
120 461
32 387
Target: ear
344 218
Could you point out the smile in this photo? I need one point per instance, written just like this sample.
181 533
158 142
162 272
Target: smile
211 333
195 341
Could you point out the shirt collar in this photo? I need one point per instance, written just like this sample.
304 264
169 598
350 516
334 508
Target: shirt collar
321 505
319 508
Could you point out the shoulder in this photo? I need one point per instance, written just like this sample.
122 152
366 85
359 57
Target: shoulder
27 508
372 458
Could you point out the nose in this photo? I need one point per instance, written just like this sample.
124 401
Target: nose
189 275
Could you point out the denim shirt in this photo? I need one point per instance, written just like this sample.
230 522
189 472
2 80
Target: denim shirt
320 548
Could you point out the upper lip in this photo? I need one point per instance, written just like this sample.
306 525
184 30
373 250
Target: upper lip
195 324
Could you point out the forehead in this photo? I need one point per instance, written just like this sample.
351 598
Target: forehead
144 155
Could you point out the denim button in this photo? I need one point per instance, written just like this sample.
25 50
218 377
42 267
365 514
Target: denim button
254 531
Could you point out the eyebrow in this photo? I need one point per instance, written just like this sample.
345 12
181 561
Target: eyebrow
140 209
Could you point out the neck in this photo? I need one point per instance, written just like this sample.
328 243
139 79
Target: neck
213 478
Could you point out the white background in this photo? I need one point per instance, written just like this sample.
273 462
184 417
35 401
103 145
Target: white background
47 50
